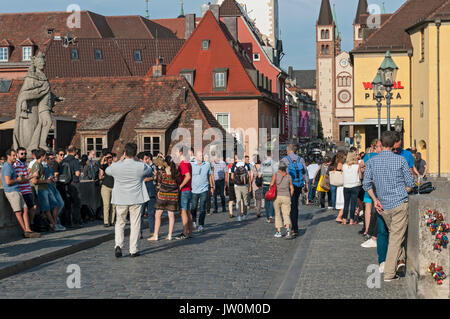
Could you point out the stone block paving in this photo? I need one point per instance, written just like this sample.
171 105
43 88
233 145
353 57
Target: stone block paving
335 265
228 260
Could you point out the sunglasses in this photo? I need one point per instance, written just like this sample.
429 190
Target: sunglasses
23 153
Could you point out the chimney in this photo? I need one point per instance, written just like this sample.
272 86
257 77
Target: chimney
215 9
190 25
291 72
231 23
159 69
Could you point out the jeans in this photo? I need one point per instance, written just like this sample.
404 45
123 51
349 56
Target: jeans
294 207
350 198
203 198
219 190
382 239
312 190
322 199
55 198
150 207
333 191
268 205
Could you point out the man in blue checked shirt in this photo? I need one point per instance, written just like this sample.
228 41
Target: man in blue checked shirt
390 175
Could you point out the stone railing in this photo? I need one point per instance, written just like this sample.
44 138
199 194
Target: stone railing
420 253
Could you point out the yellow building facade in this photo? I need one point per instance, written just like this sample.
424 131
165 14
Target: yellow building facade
365 105
426 89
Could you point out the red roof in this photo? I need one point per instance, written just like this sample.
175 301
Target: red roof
99 103
39 27
392 34
117 57
223 52
176 25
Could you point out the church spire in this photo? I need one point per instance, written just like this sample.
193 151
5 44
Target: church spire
182 10
362 9
325 15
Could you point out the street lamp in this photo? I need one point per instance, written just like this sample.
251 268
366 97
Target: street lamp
378 89
398 124
358 140
388 75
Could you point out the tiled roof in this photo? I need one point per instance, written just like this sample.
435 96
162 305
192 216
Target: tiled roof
306 79
89 98
222 53
40 27
177 25
230 8
117 57
442 12
392 35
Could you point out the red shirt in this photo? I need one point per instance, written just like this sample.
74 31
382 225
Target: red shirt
184 168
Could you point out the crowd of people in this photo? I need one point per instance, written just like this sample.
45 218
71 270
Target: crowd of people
369 188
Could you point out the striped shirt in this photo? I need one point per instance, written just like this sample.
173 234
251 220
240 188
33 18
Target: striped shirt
220 170
22 169
391 175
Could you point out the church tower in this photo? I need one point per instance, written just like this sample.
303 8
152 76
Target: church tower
325 68
358 24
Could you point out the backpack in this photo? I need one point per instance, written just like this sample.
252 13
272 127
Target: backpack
267 172
65 176
240 176
296 170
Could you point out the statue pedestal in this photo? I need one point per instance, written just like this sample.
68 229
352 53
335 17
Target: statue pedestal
420 253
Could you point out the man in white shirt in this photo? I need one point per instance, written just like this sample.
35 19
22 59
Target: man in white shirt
242 185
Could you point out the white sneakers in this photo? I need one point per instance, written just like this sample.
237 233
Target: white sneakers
277 235
370 243
200 228
59 227
382 267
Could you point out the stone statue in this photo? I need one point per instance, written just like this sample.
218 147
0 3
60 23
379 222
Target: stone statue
34 107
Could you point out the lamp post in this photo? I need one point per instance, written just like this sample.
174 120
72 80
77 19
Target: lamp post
358 140
388 75
378 89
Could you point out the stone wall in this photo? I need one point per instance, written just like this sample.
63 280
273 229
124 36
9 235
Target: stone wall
420 251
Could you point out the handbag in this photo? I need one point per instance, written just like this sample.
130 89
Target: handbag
336 178
272 193
325 183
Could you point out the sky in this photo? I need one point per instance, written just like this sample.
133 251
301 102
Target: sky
297 19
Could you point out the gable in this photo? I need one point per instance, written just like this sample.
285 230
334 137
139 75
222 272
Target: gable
220 54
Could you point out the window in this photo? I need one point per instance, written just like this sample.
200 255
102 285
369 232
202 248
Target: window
220 79
189 75
152 144
205 45
224 120
74 54
256 57
137 55
325 34
98 54
26 53
4 54
360 33
94 143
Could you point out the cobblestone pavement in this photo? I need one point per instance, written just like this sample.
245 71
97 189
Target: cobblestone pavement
228 260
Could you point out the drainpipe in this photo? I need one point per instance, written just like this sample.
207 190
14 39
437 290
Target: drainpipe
438 25
410 53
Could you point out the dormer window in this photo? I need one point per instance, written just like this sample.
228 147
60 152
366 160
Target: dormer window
189 74
205 45
4 54
256 57
220 79
98 54
27 53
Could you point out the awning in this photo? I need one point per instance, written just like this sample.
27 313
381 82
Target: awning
7 125
369 122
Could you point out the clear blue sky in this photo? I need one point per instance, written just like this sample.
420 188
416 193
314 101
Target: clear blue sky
297 19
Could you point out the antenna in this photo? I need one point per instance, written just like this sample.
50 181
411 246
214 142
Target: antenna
146 10
384 9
